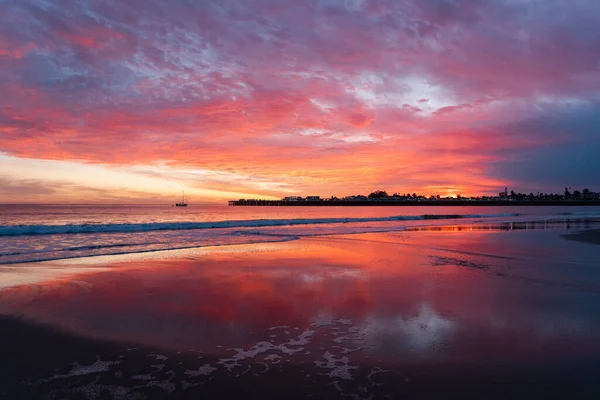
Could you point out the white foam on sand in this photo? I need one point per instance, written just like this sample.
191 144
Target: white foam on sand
303 339
348 351
376 370
95 391
143 377
166 385
205 370
333 362
159 367
288 348
79 370
273 358
339 367
279 327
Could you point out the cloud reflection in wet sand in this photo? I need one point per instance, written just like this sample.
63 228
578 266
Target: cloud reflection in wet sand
402 306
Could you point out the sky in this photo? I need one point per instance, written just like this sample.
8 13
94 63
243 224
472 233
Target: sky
135 100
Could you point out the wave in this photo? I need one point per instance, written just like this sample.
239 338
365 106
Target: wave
28 230
12 253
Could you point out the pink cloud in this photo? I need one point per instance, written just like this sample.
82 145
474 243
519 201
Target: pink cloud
397 89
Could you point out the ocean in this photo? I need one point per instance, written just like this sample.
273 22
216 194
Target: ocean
30 233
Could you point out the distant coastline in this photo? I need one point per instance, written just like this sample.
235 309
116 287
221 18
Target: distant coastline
413 202
381 198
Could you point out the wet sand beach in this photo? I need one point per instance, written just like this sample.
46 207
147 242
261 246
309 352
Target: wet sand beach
586 236
452 312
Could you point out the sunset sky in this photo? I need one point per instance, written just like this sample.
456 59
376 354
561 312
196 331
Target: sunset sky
134 100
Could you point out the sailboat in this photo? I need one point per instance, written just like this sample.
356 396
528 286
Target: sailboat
183 202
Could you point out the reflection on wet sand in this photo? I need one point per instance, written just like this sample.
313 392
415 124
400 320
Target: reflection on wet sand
587 236
510 226
341 308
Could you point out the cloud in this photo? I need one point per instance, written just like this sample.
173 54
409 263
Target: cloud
572 161
398 88
23 189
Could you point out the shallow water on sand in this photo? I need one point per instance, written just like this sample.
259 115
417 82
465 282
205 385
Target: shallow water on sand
480 310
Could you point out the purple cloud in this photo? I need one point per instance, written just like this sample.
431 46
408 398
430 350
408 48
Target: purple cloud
125 82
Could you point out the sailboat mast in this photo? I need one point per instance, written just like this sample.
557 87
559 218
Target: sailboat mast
182 203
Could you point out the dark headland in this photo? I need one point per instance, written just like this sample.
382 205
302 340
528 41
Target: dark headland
381 198
353 203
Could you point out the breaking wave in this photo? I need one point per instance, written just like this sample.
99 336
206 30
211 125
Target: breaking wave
30 230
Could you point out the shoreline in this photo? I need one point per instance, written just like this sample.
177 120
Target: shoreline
455 223
417 203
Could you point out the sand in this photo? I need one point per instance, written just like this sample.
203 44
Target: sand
591 236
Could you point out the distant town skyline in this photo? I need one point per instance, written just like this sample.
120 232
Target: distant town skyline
131 102
567 194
